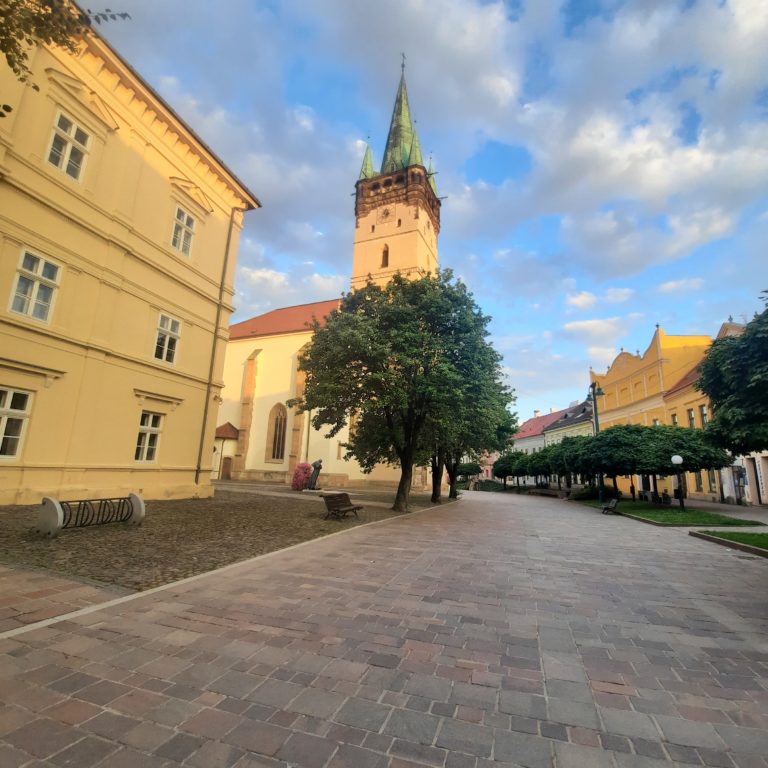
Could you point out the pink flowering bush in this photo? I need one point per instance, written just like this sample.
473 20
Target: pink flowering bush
301 476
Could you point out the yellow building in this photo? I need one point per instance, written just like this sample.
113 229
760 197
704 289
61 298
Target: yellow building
659 388
118 239
397 220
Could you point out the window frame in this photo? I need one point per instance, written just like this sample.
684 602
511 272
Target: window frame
144 441
703 415
69 137
277 432
184 228
170 335
38 279
7 412
691 418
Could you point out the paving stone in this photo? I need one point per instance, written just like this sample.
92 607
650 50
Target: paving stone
360 713
747 740
576 756
43 737
525 704
316 703
84 753
573 713
465 737
553 731
632 724
419 753
275 693
349 756
433 688
10 757
257 737
529 751
412 726
214 754
569 691
648 748
689 734
306 751
211 723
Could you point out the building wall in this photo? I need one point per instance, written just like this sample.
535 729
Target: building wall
555 436
261 373
89 365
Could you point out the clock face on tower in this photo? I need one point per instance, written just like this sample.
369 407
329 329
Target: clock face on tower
385 214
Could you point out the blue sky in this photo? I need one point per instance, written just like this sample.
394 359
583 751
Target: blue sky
604 164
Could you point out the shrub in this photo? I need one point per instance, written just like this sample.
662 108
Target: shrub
301 476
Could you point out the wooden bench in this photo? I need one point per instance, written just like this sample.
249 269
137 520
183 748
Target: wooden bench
610 507
339 505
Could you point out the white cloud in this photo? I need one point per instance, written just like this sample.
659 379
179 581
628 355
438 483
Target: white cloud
606 329
601 356
682 286
618 295
582 300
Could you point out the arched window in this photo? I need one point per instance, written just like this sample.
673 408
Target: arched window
278 420
385 256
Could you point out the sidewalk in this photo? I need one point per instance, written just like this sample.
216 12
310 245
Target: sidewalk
495 633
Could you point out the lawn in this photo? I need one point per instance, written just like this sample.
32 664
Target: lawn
673 516
759 540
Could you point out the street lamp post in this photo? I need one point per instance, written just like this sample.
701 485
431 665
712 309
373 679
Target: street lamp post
677 461
594 392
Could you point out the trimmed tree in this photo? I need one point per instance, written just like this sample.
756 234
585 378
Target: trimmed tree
734 376
397 360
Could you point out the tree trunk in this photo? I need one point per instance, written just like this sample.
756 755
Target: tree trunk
403 487
452 467
615 487
505 482
438 462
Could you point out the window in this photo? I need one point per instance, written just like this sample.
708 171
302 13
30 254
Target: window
699 481
183 229
385 256
69 147
14 412
703 415
675 422
150 426
712 481
168 333
656 422
691 418
278 420
36 285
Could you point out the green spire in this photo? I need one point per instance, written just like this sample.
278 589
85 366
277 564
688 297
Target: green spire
431 176
414 156
401 134
367 172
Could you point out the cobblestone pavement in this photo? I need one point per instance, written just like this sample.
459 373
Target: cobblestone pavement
178 538
502 631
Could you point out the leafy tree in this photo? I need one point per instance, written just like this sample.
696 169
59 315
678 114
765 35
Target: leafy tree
734 375
401 358
618 450
469 469
660 443
539 463
24 23
504 466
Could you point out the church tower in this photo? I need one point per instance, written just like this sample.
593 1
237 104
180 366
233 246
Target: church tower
397 211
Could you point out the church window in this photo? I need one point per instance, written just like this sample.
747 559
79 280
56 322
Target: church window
373 227
278 420
385 256
399 222
400 179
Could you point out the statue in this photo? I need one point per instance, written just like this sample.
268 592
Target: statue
316 467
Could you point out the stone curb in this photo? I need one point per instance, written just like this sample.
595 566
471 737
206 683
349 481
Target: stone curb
732 544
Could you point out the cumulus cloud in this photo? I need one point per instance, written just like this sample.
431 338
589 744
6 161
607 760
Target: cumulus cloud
582 300
601 356
682 286
607 329
619 295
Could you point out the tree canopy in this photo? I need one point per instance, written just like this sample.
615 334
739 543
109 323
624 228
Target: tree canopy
734 376
407 365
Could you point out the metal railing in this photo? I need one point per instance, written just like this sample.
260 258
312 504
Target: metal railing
53 515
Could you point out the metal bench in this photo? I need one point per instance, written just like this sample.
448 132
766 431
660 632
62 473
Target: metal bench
339 505
610 507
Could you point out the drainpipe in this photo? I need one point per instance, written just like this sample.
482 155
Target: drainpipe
211 365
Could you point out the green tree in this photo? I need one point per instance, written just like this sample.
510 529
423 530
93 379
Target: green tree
504 466
734 376
618 450
25 23
659 444
398 359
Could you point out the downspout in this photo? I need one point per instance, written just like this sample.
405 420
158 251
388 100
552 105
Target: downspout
209 383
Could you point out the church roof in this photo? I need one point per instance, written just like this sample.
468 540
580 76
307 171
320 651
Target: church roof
367 172
285 320
402 137
536 426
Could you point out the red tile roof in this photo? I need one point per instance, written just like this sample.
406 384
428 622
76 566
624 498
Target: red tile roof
537 424
226 431
285 320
